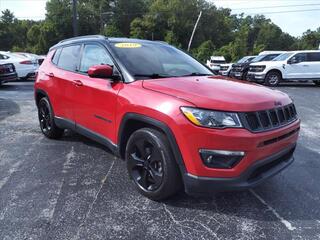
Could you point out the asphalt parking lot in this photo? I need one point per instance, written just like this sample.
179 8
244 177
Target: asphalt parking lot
76 189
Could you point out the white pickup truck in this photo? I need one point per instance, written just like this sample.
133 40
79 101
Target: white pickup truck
215 62
289 66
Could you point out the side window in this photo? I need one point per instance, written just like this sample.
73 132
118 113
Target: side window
94 55
313 57
69 58
299 57
56 55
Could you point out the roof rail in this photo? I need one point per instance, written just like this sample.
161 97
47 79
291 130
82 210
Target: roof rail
83 37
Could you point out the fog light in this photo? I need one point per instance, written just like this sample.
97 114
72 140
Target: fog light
220 158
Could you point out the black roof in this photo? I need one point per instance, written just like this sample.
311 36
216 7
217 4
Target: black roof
100 38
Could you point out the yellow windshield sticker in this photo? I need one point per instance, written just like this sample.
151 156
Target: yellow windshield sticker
128 45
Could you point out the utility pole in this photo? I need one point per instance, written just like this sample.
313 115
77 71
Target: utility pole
74 18
194 30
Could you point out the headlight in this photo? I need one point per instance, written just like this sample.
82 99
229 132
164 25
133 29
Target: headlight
211 119
259 68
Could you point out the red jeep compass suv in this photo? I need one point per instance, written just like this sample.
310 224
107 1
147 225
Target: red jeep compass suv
175 123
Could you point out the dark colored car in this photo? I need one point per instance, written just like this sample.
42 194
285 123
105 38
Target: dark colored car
176 124
7 73
240 69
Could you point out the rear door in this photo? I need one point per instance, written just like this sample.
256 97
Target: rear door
313 61
96 97
63 73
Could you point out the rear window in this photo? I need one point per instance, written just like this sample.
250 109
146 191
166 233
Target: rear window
69 58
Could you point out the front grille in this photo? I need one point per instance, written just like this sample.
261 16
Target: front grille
269 119
256 68
224 68
237 69
277 139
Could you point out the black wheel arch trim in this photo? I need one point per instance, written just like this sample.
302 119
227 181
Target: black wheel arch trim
40 91
158 124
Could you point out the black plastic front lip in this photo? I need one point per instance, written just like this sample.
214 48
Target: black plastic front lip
8 77
204 185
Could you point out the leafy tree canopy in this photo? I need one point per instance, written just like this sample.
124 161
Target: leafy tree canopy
218 32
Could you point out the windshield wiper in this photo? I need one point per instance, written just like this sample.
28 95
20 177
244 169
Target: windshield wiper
196 74
153 75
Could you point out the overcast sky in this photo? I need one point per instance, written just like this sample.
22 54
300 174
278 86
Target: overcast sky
294 23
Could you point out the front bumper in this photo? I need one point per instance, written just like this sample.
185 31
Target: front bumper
254 175
256 77
224 73
237 75
8 77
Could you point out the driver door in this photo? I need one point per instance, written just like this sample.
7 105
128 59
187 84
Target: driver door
96 97
298 66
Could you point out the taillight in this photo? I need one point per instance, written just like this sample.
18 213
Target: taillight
26 62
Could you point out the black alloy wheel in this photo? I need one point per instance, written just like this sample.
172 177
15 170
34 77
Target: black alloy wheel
146 165
44 117
151 164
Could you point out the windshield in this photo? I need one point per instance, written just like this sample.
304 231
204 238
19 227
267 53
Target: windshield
258 58
245 59
282 57
156 60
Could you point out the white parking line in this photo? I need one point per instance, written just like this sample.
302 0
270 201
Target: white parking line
285 222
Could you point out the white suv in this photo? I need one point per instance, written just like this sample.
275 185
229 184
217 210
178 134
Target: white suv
290 66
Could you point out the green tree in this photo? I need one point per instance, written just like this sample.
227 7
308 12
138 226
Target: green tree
204 51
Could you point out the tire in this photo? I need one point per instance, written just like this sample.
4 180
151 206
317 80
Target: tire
317 83
151 164
46 120
273 79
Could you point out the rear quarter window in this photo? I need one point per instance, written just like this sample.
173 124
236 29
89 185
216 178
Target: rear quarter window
55 58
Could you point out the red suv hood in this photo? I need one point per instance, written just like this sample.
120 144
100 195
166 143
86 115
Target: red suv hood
219 93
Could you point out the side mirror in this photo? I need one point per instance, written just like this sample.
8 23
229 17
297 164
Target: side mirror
293 61
101 71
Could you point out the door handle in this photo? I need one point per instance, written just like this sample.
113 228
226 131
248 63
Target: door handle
305 65
77 83
50 74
